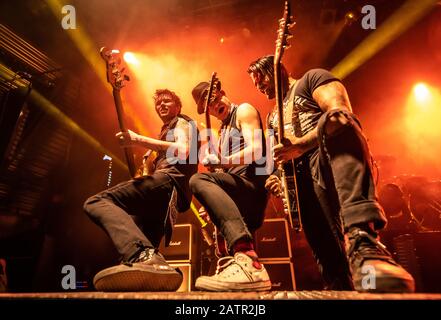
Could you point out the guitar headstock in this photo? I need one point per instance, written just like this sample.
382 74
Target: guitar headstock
283 33
115 74
215 87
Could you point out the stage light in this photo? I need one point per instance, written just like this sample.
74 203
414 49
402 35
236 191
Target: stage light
130 58
222 40
402 19
350 18
350 15
423 111
87 46
421 92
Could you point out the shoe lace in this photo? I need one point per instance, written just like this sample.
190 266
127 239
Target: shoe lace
366 245
142 253
223 263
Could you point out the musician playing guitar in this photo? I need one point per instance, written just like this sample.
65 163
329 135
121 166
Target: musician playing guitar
233 193
336 188
149 198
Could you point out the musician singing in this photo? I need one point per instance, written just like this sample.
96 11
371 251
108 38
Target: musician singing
234 196
334 176
152 200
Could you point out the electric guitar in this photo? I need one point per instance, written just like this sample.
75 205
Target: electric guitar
215 86
289 184
117 79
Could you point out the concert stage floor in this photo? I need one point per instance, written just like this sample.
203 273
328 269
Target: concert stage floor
198 296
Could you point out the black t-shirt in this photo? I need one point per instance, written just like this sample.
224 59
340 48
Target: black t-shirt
305 110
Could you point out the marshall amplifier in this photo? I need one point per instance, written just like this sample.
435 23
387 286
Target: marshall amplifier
187 272
281 274
273 240
181 244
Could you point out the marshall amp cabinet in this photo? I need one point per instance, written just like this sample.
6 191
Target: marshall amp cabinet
181 254
273 246
188 276
281 274
181 245
273 240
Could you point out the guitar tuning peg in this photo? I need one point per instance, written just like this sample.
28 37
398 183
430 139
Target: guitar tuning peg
286 46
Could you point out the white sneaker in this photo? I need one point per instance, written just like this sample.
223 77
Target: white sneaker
237 274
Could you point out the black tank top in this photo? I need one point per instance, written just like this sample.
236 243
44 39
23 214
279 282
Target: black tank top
180 171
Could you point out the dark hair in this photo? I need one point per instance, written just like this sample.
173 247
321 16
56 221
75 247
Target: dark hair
265 66
173 95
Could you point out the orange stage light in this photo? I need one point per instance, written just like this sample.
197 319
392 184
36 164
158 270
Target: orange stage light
130 58
422 115
421 92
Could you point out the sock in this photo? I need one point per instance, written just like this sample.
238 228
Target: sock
247 247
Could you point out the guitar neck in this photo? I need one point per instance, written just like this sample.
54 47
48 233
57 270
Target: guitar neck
120 115
279 101
119 110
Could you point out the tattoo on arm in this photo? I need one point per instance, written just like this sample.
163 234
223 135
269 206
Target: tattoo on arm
332 95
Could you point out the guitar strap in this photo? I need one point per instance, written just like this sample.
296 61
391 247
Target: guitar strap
288 111
288 108
172 214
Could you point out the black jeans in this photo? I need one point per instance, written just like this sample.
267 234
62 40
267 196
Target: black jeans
336 191
145 198
236 204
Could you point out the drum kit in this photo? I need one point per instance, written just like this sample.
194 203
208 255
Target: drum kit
411 203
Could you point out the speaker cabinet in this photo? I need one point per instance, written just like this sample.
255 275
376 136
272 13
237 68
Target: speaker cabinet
181 254
273 241
187 272
281 274
181 246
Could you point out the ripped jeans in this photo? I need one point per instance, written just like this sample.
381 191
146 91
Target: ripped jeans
336 191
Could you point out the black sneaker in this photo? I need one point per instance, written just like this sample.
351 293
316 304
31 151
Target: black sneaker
148 271
372 266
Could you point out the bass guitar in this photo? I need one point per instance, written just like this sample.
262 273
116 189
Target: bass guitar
117 79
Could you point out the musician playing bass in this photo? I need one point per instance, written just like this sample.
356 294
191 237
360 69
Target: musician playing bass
336 188
151 198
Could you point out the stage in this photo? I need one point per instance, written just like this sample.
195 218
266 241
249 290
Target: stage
216 296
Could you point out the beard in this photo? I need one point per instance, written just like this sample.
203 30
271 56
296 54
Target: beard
270 93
